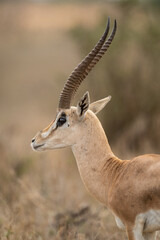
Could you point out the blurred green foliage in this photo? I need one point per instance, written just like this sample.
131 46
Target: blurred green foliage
129 2
130 72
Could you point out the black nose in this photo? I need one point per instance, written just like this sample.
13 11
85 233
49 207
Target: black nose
33 140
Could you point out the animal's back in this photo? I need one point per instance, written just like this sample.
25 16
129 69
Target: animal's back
137 187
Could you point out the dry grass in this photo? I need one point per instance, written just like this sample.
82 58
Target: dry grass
41 195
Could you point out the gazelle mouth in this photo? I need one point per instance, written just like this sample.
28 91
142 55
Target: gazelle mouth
38 146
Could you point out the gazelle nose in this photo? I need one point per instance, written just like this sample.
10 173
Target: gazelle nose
33 140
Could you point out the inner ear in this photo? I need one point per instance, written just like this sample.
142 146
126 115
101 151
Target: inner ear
83 104
99 105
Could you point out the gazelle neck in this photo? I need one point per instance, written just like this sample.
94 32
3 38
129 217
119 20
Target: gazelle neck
92 152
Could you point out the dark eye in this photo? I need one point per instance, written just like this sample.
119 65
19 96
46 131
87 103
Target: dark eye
61 121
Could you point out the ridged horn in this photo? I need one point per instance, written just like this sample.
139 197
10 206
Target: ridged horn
82 70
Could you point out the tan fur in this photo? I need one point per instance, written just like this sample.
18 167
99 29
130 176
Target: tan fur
127 187
48 127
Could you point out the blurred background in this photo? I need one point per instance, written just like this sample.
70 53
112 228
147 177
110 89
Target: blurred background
41 194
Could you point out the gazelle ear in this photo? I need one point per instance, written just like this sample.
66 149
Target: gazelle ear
83 104
99 105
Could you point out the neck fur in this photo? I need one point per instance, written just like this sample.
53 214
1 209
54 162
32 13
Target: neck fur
94 158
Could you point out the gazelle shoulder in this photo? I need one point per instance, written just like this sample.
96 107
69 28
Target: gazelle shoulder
145 157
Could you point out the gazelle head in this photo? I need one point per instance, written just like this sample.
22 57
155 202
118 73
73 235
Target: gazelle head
67 127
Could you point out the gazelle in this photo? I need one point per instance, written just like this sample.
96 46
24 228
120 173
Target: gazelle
131 188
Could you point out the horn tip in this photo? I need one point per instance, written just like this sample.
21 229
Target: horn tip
115 23
108 22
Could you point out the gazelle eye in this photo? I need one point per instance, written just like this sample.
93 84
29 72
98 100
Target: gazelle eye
61 121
